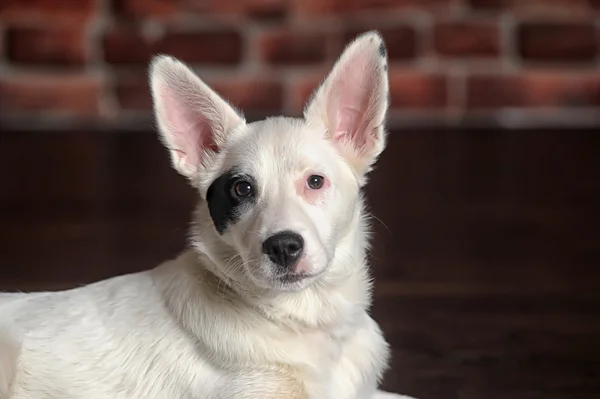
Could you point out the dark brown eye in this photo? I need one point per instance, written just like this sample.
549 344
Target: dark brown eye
315 182
242 189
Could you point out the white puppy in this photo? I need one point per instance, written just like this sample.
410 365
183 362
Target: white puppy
270 300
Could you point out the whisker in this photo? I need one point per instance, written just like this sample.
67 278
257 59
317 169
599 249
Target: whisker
379 220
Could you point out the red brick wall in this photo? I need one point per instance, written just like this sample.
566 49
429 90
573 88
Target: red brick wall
451 61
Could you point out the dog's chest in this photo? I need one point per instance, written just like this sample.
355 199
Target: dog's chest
326 347
345 363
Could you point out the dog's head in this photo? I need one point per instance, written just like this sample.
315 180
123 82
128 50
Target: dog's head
281 193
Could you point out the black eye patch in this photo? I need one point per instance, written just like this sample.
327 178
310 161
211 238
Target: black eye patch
225 203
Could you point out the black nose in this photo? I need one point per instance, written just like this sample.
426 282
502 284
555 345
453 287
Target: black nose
284 248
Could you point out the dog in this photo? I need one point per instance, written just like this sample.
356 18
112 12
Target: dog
271 298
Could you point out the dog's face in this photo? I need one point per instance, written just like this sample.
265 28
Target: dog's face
281 193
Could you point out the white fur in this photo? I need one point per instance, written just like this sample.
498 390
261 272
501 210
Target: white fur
9 356
216 322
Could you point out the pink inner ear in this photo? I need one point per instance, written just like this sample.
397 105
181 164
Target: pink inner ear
352 98
191 133
348 120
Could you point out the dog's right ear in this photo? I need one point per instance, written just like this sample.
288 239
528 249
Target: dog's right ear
192 119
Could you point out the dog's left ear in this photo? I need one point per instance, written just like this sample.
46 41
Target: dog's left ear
352 102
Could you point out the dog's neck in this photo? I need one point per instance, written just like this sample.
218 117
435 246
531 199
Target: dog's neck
336 298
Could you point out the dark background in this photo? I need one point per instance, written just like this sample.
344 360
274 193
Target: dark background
486 252
487 240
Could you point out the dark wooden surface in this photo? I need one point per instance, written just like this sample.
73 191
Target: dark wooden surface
486 255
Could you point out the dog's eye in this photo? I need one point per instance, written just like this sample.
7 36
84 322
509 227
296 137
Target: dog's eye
242 189
315 182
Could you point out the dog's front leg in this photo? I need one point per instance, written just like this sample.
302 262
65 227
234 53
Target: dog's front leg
264 384
362 364
9 355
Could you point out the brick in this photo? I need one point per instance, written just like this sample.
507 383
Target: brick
76 95
235 9
133 93
533 89
300 90
223 47
266 9
345 7
2 43
57 46
125 45
146 8
46 11
165 9
467 39
286 47
401 41
539 7
409 89
560 42
413 89
252 94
